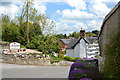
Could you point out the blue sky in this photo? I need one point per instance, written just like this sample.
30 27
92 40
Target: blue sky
69 15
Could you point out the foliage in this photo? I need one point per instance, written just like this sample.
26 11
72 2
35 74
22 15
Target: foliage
90 34
76 58
75 35
96 32
112 57
68 58
37 29
82 69
60 55
77 73
55 59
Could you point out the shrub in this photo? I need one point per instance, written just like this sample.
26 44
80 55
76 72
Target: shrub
85 79
77 73
88 63
54 59
60 55
77 58
68 58
76 65
112 58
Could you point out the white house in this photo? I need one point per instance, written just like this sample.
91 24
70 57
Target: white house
77 48
83 47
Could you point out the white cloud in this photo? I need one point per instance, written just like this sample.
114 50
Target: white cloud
76 14
104 0
11 10
94 25
40 6
79 25
99 8
78 4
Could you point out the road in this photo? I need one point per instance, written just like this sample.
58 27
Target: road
24 71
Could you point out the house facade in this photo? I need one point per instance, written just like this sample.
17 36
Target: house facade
75 49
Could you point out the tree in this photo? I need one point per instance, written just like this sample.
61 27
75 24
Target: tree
27 15
90 34
75 35
39 30
96 32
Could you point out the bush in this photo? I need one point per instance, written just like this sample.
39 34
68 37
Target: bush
61 55
83 70
55 59
77 73
76 58
68 58
112 58
76 65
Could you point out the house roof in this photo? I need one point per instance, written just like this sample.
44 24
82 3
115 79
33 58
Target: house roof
107 17
66 41
74 42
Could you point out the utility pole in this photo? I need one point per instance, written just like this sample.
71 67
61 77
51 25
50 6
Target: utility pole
27 16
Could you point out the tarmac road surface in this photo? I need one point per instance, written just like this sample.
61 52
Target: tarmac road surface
24 71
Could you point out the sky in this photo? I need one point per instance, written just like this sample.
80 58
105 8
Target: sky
68 15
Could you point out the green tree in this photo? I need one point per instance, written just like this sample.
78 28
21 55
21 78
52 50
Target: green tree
90 34
96 32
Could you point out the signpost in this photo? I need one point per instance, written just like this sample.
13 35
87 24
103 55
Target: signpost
14 46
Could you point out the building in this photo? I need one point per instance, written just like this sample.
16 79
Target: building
64 43
92 50
83 47
109 27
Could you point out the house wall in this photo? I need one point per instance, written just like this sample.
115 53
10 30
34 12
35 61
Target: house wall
77 50
63 45
70 52
111 27
80 49
83 49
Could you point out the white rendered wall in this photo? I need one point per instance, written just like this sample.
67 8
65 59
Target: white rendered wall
77 50
83 48
70 53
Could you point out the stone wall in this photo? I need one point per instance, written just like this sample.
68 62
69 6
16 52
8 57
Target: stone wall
37 60
25 59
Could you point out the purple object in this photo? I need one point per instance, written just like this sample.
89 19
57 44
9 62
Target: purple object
88 58
77 73
77 65
85 79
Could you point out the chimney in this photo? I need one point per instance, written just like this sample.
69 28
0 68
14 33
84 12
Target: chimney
82 33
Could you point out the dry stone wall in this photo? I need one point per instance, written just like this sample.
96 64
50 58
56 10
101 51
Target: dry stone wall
25 59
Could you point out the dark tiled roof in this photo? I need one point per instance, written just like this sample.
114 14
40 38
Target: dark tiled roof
66 41
74 42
